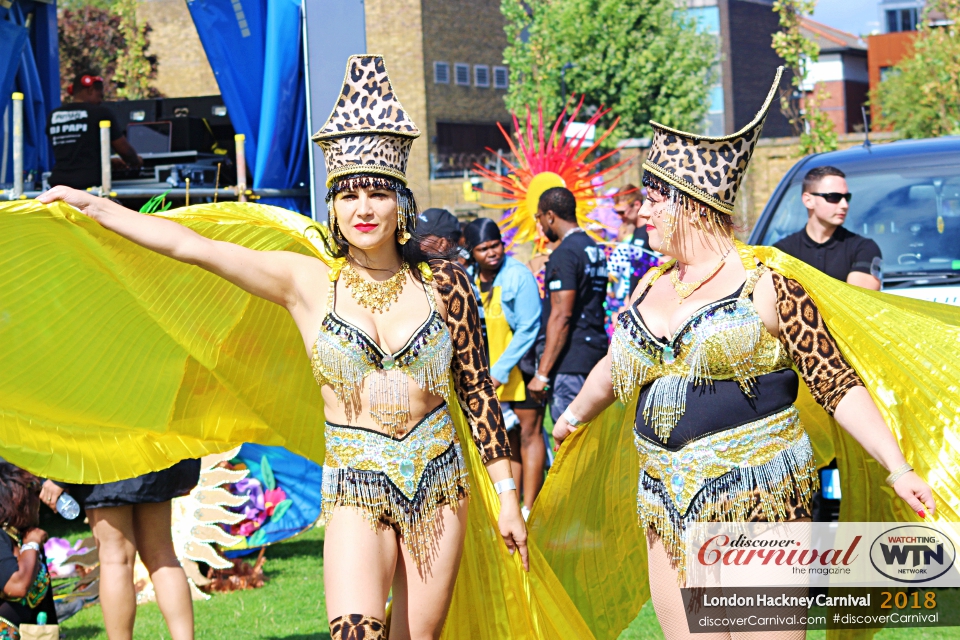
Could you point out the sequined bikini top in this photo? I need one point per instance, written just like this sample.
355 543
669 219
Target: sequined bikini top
344 356
724 340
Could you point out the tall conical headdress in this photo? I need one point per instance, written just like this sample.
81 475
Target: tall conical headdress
368 131
706 168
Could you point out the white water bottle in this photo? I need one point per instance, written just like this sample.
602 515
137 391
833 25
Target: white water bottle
67 506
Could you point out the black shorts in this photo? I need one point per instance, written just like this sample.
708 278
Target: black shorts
158 486
530 402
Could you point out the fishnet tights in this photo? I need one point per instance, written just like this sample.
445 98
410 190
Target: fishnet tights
671 614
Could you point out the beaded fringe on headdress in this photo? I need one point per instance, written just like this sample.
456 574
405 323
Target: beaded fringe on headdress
406 204
702 217
444 482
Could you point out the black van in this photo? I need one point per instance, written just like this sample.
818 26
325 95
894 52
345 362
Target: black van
906 197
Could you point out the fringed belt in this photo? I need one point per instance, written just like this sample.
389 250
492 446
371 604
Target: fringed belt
719 478
402 481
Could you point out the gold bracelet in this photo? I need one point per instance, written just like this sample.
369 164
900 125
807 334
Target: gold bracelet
898 473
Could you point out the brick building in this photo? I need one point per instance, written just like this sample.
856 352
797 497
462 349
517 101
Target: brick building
840 72
445 59
184 70
747 63
899 19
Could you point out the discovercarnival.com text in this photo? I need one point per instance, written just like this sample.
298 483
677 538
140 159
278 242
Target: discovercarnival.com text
794 622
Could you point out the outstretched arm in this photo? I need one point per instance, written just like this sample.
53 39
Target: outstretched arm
266 274
836 386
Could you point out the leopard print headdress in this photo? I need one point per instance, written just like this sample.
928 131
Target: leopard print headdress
368 132
705 168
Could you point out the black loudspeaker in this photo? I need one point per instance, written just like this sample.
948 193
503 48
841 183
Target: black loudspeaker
210 108
190 134
127 111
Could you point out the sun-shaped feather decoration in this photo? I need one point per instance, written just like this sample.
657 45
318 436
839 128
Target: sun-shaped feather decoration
562 159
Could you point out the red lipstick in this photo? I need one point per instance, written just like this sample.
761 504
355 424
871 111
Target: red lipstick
365 227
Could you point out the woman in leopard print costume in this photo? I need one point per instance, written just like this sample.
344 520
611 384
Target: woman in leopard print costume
385 326
710 350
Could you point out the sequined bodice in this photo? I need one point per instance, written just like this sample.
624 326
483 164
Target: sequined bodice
344 356
725 340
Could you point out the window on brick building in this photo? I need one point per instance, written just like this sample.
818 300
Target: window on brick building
441 73
501 78
461 74
902 20
481 75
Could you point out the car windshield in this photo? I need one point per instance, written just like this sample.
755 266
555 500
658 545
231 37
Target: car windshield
912 213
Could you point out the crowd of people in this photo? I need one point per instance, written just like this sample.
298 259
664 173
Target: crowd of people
436 357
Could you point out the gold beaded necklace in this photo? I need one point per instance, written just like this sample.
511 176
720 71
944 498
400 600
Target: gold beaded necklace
373 295
686 289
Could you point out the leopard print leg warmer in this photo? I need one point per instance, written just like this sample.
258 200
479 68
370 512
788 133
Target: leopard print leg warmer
357 627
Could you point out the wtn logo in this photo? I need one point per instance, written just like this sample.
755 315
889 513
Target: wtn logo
921 554
912 553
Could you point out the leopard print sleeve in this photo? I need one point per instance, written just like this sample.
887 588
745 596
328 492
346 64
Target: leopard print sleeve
471 374
808 341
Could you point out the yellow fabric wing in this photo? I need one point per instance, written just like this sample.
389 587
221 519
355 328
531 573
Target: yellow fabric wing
117 361
906 352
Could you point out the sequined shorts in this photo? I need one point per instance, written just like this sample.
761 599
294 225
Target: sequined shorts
763 470
400 482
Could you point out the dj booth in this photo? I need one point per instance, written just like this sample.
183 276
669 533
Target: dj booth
179 139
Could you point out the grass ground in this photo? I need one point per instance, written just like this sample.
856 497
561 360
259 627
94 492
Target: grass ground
290 606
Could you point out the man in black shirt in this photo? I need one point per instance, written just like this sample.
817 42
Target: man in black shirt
74 131
826 245
575 280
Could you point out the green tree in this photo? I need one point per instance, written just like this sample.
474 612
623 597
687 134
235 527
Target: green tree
642 59
93 37
809 121
920 98
135 69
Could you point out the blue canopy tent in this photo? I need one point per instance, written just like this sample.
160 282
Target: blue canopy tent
30 64
255 49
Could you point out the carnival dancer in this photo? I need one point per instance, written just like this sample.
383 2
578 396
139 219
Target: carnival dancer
511 302
129 519
383 325
25 588
709 352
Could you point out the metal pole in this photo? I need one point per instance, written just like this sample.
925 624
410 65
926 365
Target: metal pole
241 167
17 145
105 176
306 77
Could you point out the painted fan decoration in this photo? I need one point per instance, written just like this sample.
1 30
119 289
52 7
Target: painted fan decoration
560 158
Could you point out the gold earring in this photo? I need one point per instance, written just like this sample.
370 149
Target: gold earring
402 234
336 228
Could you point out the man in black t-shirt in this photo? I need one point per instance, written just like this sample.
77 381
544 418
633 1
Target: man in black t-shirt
74 131
575 283
826 245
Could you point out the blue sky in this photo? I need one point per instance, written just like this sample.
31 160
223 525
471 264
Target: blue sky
859 17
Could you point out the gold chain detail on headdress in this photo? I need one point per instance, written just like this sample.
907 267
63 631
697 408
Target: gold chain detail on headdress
373 295
686 289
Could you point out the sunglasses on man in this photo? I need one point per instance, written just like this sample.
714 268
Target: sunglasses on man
834 197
